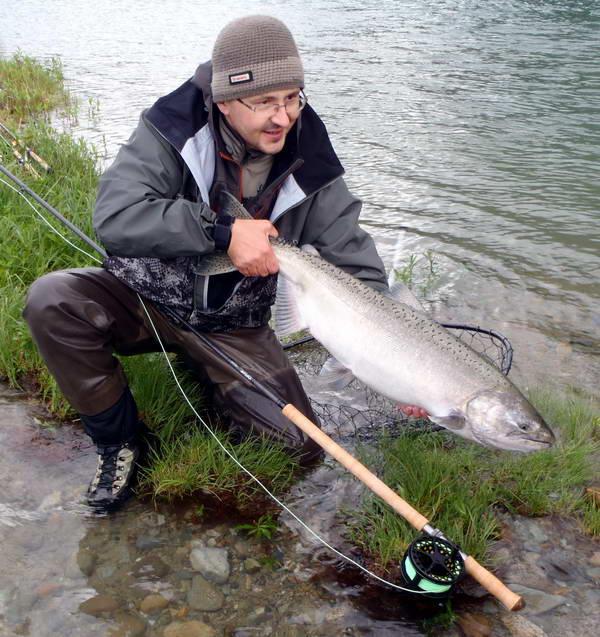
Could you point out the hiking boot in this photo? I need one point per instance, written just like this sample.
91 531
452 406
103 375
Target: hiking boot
115 474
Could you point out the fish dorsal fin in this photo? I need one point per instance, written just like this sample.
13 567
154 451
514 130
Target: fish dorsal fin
234 208
400 292
333 375
286 312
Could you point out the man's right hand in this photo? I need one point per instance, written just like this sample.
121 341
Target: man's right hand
250 249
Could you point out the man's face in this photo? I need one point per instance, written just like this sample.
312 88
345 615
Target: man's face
266 128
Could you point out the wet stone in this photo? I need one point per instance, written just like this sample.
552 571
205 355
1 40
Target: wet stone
153 604
594 573
251 565
98 605
595 559
213 563
128 626
520 626
86 561
538 601
204 595
473 625
147 543
189 629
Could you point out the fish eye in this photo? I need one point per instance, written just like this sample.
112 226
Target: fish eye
524 426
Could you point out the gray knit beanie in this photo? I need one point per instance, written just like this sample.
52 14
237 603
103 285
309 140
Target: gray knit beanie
254 55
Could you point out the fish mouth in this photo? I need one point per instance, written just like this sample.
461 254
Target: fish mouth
512 442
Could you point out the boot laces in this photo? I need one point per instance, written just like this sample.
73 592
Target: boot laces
115 464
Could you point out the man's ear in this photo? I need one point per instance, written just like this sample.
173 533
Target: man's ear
223 107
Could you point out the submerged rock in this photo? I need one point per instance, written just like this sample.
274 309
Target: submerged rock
153 603
189 629
520 626
204 595
213 563
99 604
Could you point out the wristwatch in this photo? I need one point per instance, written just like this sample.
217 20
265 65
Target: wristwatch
222 231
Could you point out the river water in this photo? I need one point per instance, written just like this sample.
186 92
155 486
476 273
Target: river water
471 130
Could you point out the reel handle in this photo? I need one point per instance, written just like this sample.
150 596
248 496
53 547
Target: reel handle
490 582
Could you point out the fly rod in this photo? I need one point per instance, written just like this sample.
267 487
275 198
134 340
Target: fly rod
436 552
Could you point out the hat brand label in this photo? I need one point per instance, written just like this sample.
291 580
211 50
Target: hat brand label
241 78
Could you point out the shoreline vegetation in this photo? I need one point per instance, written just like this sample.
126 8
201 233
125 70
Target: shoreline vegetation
459 486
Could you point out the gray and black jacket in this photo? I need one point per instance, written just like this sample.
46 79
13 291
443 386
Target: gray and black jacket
158 201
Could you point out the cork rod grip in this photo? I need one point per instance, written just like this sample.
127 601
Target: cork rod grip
412 516
490 582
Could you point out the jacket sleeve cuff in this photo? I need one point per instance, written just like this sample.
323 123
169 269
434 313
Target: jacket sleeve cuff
222 232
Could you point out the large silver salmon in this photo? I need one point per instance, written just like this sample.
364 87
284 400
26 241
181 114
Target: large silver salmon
398 351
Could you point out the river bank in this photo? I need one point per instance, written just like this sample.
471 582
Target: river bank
157 570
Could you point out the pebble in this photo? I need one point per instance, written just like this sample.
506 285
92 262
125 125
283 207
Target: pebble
595 559
213 563
251 565
153 604
86 560
192 628
204 595
128 626
99 604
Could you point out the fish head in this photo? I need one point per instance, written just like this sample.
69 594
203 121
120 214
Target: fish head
501 419
505 419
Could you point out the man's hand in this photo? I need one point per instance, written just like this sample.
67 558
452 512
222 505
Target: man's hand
250 250
415 412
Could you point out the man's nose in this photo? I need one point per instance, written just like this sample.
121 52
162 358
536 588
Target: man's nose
281 117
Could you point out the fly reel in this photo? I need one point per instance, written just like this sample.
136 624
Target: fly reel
432 566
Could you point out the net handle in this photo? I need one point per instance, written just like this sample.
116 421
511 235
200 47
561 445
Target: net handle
490 582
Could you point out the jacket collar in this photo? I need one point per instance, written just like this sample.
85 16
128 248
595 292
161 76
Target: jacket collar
181 114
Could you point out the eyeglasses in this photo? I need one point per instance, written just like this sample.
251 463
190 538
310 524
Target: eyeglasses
292 105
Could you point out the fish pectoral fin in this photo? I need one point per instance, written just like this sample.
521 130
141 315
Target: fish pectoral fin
310 249
334 376
286 312
455 420
403 294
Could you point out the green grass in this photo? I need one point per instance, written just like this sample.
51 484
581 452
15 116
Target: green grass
194 464
460 487
31 88
189 461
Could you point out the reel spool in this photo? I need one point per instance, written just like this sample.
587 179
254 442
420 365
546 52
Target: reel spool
432 565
